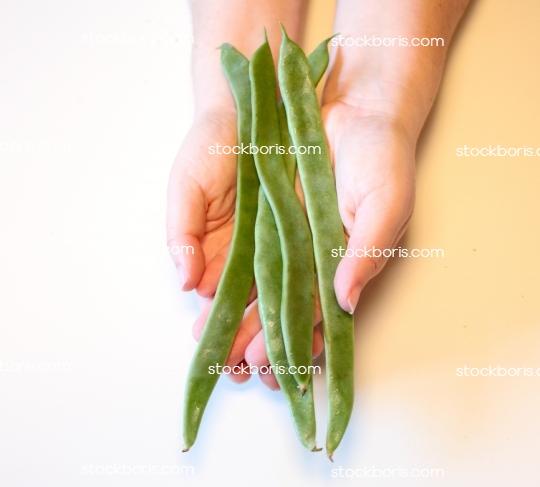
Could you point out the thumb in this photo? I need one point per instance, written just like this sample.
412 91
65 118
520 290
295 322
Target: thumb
379 223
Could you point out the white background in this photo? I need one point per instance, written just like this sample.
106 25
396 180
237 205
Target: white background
86 279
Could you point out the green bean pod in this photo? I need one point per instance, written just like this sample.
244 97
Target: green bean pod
268 273
318 62
297 302
268 276
319 189
237 279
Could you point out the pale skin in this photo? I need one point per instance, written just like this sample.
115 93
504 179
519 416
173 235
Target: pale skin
374 104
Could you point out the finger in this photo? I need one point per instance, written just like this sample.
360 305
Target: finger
252 294
318 342
240 373
256 351
270 381
318 312
200 321
378 223
238 376
212 273
249 328
186 217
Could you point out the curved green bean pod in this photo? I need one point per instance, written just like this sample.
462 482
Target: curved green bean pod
321 202
268 276
297 304
235 284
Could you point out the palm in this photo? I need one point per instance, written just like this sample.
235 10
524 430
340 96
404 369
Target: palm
203 187
375 172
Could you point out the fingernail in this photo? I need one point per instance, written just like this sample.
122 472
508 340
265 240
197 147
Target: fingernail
182 274
352 300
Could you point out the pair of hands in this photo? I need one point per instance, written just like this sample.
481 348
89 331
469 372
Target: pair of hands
373 159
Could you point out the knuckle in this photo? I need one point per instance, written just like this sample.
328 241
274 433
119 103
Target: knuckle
374 264
172 240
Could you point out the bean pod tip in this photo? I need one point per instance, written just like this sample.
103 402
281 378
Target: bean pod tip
283 31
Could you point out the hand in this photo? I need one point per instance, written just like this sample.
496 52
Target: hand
200 214
374 169
374 164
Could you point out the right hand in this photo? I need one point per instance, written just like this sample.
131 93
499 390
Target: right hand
200 214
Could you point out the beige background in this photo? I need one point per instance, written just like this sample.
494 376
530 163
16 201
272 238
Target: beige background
87 281
421 319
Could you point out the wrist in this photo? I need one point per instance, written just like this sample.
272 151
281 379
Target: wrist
241 23
397 80
395 91
369 101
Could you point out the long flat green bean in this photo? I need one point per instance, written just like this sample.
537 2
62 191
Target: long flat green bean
235 284
319 189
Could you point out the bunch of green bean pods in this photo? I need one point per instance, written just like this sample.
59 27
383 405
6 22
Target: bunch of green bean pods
275 244
318 183
298 297
234 287
268 277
